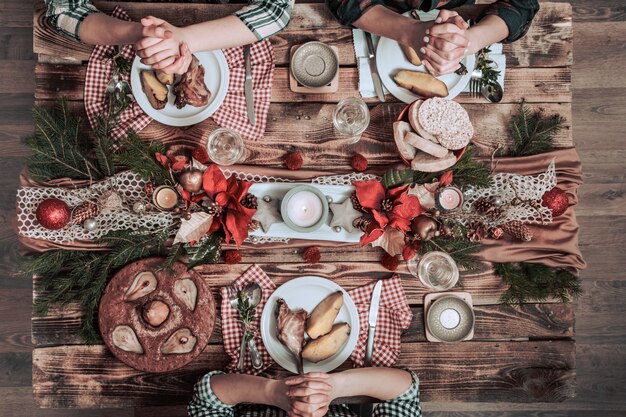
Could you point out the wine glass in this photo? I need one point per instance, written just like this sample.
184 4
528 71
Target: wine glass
225 146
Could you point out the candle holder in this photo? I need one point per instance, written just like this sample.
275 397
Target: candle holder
304 209
449 199
165 198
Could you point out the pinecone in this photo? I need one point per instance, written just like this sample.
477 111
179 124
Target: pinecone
518 230
249 201
149 189
355 203
483 205
386 205
362 223
84 211
476 231
253 225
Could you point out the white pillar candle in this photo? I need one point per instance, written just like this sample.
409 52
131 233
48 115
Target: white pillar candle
450 198
165 197
304 209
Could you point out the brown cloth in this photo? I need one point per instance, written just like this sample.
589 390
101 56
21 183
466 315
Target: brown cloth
555 244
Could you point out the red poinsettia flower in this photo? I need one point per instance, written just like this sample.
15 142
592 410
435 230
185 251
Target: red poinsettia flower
445 179
228 194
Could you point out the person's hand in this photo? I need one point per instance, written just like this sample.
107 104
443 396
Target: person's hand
310 394
445 43
163 46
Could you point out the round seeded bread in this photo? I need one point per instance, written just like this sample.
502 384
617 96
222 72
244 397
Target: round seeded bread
447 120
415 124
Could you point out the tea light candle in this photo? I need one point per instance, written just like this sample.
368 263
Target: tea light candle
450 198
304 209
165 197
450 318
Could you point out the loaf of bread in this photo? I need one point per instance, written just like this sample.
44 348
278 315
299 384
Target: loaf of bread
400 129
428 163
425 145
420 83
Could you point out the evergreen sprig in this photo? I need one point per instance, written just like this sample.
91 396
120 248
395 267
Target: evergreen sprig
59 148
460 249
532 131
487 67
536 282
139 156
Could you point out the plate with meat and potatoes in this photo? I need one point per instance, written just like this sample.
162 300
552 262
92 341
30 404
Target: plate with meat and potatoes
311 319
403 74
182 100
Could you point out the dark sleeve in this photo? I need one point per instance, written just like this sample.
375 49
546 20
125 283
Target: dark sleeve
517 14
349 11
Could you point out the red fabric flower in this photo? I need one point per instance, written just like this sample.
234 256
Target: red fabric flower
162 159
228 194
404 206
445 179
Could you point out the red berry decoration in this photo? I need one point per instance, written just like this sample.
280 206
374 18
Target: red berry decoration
232 257
390 262
556 200
294 161
312 255
359 163
53 214
200 154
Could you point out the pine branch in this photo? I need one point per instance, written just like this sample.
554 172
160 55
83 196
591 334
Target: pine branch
532 132
535 282
461 250
139 157
468 171
176 252
207 252
103 146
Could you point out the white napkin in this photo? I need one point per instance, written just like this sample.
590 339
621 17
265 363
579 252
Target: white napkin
366 85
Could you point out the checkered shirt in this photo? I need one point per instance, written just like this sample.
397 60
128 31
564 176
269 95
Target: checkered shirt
206 404
263 17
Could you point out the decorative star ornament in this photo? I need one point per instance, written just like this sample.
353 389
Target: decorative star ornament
267 213
344 214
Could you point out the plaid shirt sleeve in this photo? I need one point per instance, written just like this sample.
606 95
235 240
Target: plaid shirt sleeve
205 403
67 15
406 404
266 17
517 14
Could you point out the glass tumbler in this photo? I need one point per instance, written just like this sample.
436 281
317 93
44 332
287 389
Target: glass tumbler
436 270
225 146
351 117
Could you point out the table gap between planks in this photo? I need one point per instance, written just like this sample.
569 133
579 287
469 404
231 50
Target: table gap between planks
517 355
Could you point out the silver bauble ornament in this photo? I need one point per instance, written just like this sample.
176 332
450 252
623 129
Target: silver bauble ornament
90 224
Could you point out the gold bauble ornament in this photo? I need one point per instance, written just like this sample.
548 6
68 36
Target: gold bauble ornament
191 180
424 227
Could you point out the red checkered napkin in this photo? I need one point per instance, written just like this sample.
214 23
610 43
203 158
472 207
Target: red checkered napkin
394 316
232 113
99 72
231 327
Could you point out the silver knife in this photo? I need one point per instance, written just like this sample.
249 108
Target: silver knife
369 350
248 85
366 409
378 84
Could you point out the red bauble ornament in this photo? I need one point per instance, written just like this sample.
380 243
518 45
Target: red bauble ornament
53 213
359 163
312 255
556 200
294 161
390 262
232 257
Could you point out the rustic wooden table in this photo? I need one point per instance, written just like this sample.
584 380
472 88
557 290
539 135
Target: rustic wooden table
517 355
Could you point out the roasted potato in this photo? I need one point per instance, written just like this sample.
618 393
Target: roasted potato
326 346
323 315
154 89
422 84
167 79
411 55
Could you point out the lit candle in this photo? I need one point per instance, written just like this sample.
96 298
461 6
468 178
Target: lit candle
449 318
165 197
450 198
304 209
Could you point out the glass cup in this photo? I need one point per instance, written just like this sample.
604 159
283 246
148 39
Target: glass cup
225 146
436 270
351 117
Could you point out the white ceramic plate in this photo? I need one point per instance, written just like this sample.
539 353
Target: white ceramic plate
216 77
390 59
307 292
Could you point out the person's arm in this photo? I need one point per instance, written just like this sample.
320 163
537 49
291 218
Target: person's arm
515 15
489 30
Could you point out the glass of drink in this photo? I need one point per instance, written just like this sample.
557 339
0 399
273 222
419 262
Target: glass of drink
351 117
436 270
225 146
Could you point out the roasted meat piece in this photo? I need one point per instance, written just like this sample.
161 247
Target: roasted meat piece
290 328
190 89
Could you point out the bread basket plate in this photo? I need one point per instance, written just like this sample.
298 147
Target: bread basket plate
216 78
307 292
390 59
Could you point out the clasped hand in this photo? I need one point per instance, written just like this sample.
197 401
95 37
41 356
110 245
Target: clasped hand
445 43
308 395
162 46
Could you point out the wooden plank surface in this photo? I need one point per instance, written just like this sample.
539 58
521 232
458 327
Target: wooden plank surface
547 44
87 376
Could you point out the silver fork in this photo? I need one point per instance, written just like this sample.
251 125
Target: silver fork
233 296
475 84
